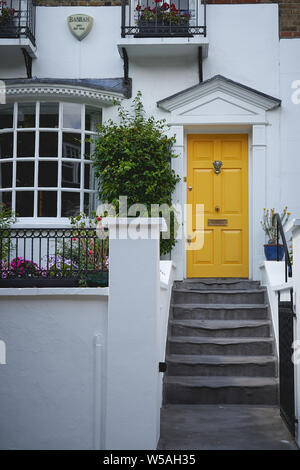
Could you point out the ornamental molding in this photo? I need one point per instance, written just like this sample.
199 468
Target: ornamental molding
219 85
77 93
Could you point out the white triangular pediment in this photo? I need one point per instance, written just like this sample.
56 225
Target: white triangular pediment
218 100
218 107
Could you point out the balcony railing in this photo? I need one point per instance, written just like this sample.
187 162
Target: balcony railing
17 19
154 18
53 258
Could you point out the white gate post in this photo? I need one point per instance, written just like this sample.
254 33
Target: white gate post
132 411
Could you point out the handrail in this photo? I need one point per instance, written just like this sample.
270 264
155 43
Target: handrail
288 264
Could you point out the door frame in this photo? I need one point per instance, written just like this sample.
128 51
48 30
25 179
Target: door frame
224 130
257 151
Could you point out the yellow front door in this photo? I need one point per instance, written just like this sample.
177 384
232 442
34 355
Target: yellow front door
223 191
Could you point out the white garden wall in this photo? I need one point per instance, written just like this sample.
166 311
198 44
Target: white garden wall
53 384
82 364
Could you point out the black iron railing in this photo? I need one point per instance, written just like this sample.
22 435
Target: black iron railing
154 18
286 317
280 233
53 258
17 19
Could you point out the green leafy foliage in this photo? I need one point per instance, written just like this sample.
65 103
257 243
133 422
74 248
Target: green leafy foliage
7 218
132 158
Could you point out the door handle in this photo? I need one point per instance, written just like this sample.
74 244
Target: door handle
217 208
190 188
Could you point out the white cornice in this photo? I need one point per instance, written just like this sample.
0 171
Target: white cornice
219 84
64 92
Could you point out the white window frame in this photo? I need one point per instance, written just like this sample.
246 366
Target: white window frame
59 189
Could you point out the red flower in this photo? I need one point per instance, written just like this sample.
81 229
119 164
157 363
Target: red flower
166 6
99 218
74 239
90 252
138 7
157 1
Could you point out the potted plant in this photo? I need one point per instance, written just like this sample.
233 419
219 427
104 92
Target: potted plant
163 19
7 15
269 226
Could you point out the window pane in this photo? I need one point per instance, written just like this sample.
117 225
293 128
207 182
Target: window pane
24 203
89 202
70 204
26 115
6 116
6 198
72 115
49 114
92 118
5 175
6 145
70 175
25 172
71 146
48 174
47 204
48 144
87 148
25 144
88 176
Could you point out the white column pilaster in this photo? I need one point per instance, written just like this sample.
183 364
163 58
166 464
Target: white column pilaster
178 252
258 196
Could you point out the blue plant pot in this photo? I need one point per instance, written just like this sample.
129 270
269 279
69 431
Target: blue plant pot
271 252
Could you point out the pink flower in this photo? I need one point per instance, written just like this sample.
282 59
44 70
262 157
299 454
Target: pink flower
90 252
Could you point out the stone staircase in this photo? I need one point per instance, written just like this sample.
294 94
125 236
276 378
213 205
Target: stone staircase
220 346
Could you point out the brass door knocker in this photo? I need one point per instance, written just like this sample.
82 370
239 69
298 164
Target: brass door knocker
217 166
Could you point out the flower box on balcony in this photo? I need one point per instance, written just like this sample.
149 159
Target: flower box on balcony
8 29
162 28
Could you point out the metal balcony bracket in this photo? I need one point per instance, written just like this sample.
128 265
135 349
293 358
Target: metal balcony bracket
200 64
28 63
125 66
126 80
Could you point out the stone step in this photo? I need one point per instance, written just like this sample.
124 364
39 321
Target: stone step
223 283
235 366
223 346
220 312
219 296
221 328
221 390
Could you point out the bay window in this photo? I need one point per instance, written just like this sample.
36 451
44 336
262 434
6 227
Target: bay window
45 166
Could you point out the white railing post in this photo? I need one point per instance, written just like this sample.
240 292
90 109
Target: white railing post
132 400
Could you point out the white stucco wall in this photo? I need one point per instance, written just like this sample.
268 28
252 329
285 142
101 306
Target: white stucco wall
53 384
243 45
288 192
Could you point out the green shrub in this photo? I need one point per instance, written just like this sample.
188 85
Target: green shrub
132 158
